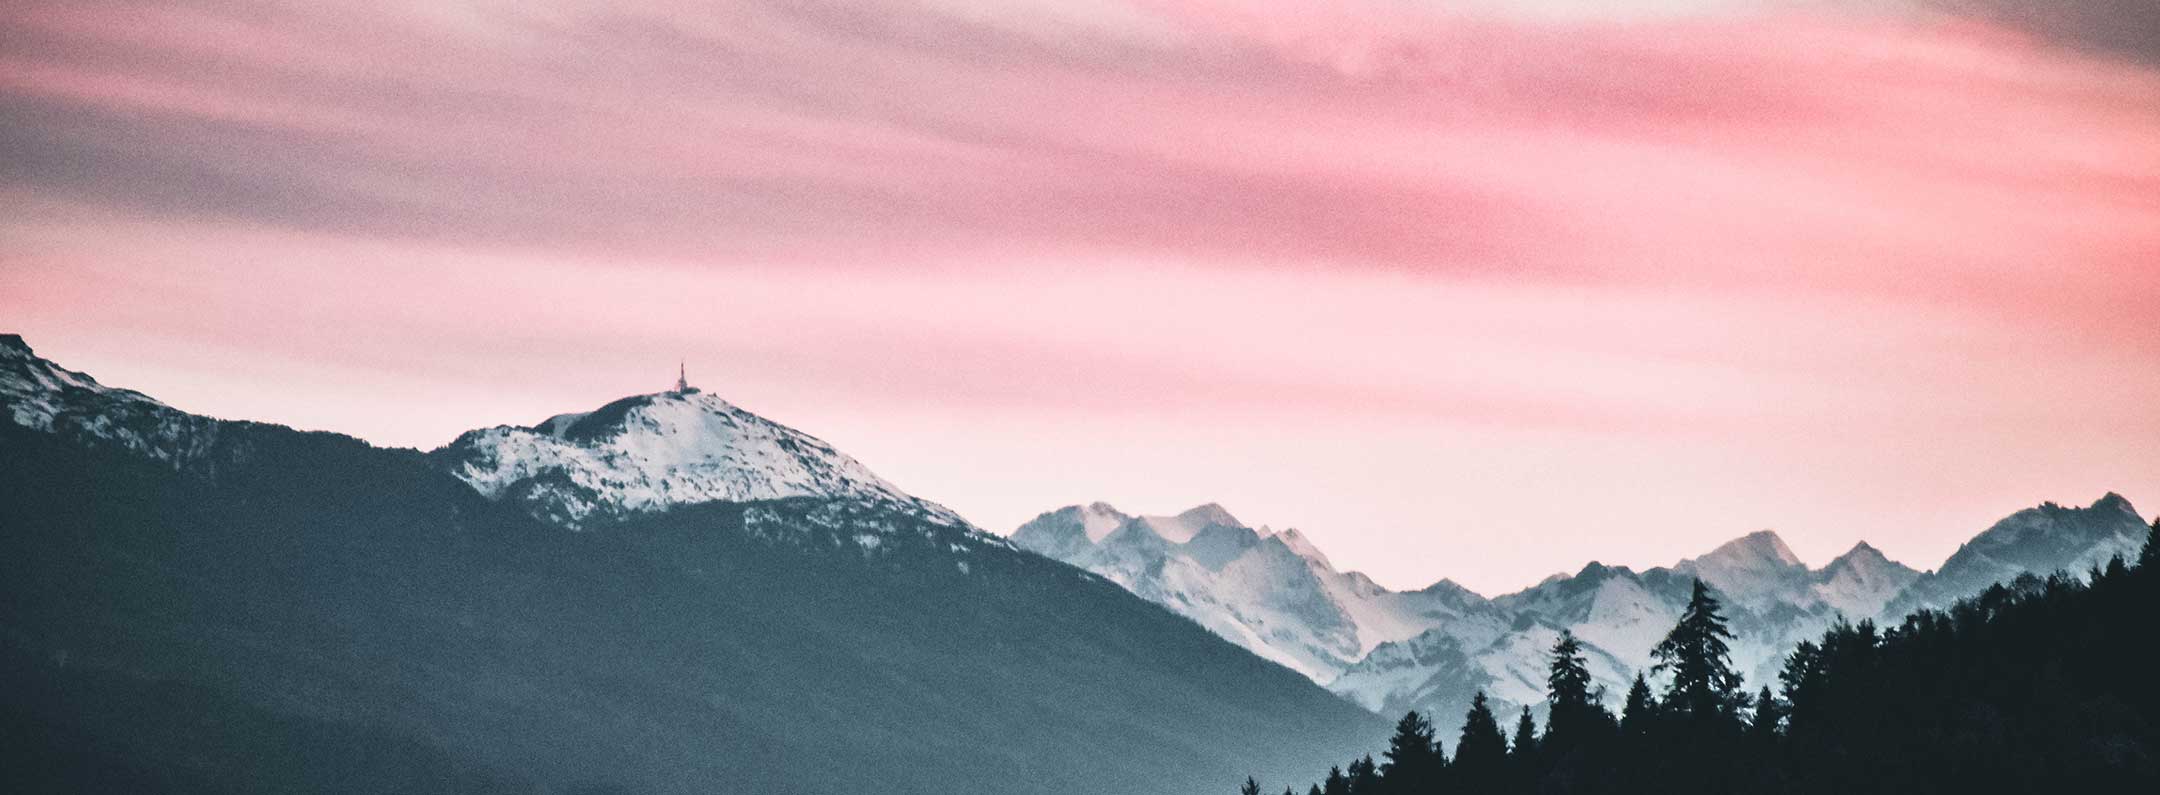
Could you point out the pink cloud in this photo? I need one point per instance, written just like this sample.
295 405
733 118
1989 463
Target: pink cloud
1925 242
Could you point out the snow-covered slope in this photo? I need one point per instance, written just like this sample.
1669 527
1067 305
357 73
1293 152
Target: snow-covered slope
1439 670
1271 592
258 568
1860 582
2040 540
649 452
1277 594
1755 570
45 397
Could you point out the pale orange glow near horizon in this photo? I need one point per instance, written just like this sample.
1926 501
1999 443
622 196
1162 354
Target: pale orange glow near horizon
1472 295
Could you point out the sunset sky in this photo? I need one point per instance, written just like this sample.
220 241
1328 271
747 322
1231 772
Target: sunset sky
1476 290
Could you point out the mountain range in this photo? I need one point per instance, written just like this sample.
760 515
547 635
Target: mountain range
666 594
669 593
1432 649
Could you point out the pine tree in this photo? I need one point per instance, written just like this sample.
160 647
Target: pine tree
1567 679
1526 742
1802 668
1576 716
1481 755
1699 655
1763 725
1641 707
1251 787
1336 783
1413 757
1523 756
1364 776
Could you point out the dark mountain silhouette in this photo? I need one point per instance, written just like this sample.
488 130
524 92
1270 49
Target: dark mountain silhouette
198 605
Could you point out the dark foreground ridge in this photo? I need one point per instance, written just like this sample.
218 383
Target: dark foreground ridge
280 611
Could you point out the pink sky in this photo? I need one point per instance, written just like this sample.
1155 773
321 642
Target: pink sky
1478 293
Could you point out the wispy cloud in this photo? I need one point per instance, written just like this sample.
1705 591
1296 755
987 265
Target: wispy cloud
1720 225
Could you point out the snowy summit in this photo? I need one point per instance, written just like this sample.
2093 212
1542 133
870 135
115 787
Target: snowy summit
45 397
649 452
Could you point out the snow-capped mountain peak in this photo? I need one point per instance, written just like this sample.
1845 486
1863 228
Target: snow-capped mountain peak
1067 531
1099 519
45 397
2039 540
1754 569
1762 549
2107 526
1862 557
1272 592
36 390
1859 583
649 452
1298 543
1207 514
2112 502
1182 527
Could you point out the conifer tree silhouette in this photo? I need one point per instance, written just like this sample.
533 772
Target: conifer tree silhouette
1698 653
2038 685
1414 760
1576 714
1364 776
1481 754
1640 710
1764 721
1525 743
1336 783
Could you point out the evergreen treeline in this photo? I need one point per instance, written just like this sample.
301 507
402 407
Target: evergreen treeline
2041 685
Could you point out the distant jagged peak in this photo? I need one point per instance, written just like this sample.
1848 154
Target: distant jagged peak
2112 513
1059 532
1216 545
1860 558
1244 536
1099 519
1595 571
1090 513
1182 527
2043 538
1209 514
1067 532
1861 581
2047 538
1756 550
1450 588
1863 556
1590 577
1303 546
2114 502
2108 505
